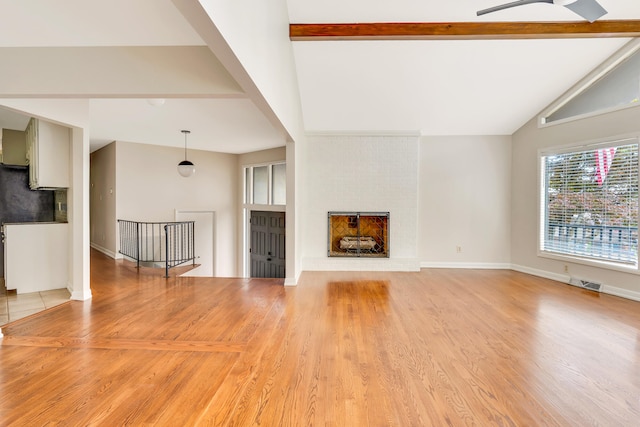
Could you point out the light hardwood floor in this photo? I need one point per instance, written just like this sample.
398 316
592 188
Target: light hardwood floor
435 348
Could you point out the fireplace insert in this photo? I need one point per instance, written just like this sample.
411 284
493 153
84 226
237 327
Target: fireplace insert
358 234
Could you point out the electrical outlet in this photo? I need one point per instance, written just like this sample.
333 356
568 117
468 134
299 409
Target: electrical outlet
566 268
458 249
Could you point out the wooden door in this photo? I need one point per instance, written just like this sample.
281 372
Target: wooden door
267 244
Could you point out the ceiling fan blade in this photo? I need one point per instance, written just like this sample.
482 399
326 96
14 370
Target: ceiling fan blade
588 9
509 5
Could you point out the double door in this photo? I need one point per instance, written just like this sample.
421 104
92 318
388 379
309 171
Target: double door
267 244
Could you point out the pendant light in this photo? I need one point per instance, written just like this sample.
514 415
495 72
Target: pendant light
185 167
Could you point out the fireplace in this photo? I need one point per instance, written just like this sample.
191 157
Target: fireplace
358 234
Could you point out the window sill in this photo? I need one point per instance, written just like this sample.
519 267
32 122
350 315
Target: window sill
632 269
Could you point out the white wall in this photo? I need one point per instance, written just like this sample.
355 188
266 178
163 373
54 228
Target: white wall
103 193
87 71
295 190
258 157
67 112
360 173
149 188
526 143
465 201
257 32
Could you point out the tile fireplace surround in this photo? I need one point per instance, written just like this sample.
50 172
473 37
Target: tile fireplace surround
358 234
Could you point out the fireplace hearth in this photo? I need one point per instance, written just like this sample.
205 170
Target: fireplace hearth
358 234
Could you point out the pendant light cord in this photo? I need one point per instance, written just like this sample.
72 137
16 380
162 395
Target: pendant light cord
186 132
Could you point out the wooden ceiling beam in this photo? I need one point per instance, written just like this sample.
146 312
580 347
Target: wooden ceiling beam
464 30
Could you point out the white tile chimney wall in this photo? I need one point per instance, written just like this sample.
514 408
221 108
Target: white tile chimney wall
364 174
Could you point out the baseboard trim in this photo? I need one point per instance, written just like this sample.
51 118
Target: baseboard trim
619 292
564 278
105 251
466 265
290 282
80 296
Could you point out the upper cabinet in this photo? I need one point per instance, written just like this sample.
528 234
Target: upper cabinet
13 147
48 154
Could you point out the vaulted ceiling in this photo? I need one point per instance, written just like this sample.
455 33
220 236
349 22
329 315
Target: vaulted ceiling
440 87
433 87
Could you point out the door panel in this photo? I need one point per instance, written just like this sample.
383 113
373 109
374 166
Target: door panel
268 244
259 230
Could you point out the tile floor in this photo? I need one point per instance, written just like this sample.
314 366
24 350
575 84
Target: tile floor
14 306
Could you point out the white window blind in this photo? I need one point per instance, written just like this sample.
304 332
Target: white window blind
590 202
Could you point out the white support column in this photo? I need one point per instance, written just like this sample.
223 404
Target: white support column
78 213
294 230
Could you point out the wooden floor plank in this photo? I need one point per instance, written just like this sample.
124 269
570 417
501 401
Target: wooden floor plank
124 344
436 347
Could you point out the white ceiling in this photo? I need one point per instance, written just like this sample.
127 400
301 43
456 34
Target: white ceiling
216 124
431 87
348 11
479 87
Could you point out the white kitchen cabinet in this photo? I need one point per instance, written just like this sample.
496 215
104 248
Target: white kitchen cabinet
48 154
36 256
13 147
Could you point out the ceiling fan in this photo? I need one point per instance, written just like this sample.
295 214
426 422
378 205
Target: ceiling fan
588 9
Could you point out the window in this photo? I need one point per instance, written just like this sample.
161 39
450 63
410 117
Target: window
613 85
260 185
265 184
589 203
279 184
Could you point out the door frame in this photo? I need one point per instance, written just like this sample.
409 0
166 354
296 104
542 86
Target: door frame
246 216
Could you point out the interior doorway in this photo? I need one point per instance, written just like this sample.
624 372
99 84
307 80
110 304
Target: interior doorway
267 245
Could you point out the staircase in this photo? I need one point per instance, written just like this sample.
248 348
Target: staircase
157 244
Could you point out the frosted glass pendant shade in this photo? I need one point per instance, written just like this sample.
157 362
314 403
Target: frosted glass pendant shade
186 168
